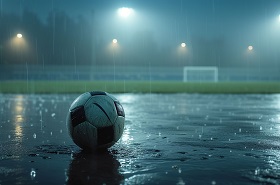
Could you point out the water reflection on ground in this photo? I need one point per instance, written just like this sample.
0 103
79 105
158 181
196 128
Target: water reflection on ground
168 139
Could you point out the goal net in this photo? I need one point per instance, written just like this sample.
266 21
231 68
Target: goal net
200 74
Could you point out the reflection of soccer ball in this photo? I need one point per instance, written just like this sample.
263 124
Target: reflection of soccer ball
95 120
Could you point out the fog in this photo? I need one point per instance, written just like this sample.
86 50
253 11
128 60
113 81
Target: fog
77 33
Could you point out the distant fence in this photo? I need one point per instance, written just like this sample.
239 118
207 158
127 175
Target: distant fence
36 72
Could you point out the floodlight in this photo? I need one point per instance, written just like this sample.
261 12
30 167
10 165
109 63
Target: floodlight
115 41
125 12
19 35
250 48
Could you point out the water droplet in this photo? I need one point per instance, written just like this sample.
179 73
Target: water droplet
60 130
34 136
213 183
53 114
239 129
179 170
33 173
257 171
51 133
261 128
9 136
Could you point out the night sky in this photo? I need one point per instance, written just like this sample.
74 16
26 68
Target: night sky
215 31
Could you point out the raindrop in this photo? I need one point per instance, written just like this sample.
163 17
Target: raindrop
257 171
261 128
51 133
60 130
53 114
9 136
34 136
239 129
41 120
179 170
213 182
33 173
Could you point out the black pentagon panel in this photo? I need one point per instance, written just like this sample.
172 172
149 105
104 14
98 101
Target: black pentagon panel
94 93
78 115
119 109
105 135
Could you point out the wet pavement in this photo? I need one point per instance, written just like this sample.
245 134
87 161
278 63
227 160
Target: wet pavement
168 139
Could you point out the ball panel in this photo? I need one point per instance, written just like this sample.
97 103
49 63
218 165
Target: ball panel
85 135
94 93
118 128
69 124
96 116
80 100
119 109
77 115
100 111
105 135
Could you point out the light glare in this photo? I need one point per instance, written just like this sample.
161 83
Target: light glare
125 12
250 48
115 41
19 35
183 45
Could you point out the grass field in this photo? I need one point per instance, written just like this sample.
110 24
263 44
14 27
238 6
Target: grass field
137 87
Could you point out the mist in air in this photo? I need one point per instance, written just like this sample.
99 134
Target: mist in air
226 34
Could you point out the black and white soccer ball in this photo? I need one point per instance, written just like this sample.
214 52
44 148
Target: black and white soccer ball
95 120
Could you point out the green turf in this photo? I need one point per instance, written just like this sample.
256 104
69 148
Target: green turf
137 87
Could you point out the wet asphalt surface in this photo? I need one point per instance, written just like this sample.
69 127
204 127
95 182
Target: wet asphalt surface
168 139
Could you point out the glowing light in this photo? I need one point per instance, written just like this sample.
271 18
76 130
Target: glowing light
125 12
250 48
183 45
19 35
115 41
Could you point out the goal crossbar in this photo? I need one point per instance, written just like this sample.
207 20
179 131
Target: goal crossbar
200 71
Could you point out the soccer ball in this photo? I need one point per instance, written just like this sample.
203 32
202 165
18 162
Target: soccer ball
95 120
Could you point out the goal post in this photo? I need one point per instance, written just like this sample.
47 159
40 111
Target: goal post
200 74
